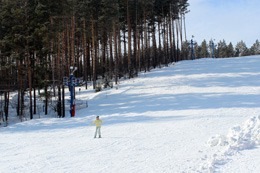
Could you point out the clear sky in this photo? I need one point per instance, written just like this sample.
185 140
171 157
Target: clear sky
231 20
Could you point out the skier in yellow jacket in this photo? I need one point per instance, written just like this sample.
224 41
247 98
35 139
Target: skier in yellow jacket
98 126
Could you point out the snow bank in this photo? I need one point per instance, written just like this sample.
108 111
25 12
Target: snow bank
239 138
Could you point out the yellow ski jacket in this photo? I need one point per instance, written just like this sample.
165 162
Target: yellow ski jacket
97 122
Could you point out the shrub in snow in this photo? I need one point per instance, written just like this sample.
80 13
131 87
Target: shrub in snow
98 87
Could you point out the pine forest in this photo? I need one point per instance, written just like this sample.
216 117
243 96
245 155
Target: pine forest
42 41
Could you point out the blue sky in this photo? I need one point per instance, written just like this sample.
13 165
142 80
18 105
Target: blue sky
232 20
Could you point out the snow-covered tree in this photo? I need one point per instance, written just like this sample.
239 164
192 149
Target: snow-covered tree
241 49
222 49
186 51
204 49
255 49
230 50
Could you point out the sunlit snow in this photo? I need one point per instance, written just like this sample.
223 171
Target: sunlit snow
192 116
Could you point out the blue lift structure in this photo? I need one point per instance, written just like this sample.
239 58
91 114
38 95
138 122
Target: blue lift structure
192 43
72 82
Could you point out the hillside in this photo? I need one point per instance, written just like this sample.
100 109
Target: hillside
193 116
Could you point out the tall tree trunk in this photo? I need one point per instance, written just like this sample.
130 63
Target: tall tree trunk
154 47
148 50
125 57
93 51
29 78
89 67
7 92
184 27
63 52
73 40
160 44
173 38
119 52
59 74
129 40
135 40
115 51
34 99
63 58
139 50
63 101
167 37
34 85
6 106
146 43
104 51
96 51
68 53
22 88
164 40
177 35
78 65
46 89
59 102
19 86
85 67
143 52
59 59
102 40
111 55
180 30
170 32
28 64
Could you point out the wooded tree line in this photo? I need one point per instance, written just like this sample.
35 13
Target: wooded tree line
41 39
221 49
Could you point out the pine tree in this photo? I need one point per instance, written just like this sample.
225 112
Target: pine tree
230 50
255 49
241 49
222 49
204 49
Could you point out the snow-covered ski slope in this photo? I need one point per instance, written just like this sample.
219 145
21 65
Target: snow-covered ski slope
194 116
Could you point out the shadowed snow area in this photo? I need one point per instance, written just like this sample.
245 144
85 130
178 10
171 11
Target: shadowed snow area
192 116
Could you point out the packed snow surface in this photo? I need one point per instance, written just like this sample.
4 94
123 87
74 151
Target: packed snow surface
192 116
